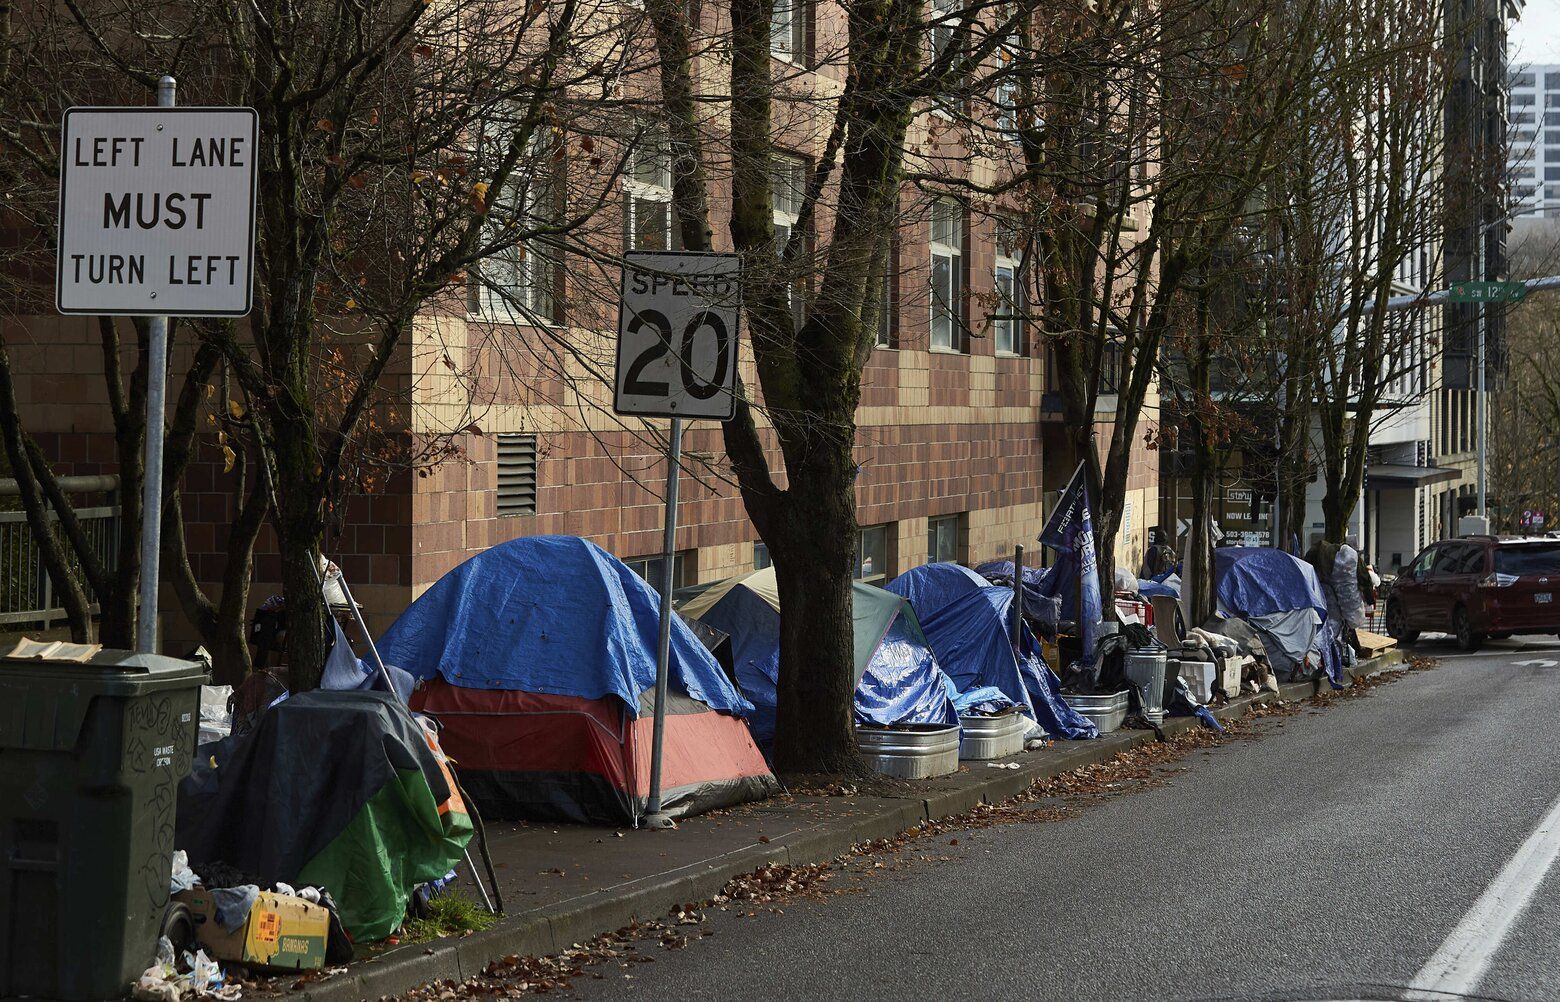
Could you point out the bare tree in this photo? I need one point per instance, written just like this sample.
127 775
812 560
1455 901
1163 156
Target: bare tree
401 148
1360 207
1139 167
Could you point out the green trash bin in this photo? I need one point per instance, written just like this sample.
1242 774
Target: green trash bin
91 755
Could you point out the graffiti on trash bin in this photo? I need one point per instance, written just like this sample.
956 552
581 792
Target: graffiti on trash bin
150 720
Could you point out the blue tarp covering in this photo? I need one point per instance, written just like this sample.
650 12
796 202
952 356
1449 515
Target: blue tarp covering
968 625
901 683
1045 600
929 587
551 614
1258 581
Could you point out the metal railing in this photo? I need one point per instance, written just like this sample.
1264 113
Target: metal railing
26 592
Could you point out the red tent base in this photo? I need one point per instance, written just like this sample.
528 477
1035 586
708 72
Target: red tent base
526 755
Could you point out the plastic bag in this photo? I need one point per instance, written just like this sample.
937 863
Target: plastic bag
183 878
205 973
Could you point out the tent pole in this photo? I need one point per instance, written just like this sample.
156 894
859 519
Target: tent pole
384 674
1018 596
368 638
654 816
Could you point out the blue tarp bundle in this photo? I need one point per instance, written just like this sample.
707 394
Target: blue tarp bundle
551 614
1150 588
1046 597
1259 581
968 623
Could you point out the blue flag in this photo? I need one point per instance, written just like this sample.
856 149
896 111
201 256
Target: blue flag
1070 532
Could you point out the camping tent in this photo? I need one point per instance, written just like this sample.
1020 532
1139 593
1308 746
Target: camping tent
968 623
340 790
539 657
898 681
1278 594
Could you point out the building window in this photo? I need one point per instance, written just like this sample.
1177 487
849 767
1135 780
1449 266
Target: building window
1552 173
787 187
1550 118
1551 99
516 474
872 553
1007 94
1551 138
761 556
1522 100
947 244
647 187
684 565
1522 80
942 539
1111 364
1008 320
517 280
788 31
943 17
1526 118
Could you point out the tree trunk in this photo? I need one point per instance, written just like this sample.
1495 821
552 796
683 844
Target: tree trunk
1199 603
299 528
67 589
814 561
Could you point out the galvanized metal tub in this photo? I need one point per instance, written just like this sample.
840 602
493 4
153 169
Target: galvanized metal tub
914 751
1107 710
992 737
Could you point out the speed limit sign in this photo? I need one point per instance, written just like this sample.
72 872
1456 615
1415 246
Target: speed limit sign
677 335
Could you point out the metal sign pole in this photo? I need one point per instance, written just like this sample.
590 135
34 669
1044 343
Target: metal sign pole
654 816
151 484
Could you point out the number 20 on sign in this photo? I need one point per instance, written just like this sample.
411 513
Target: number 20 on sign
677 335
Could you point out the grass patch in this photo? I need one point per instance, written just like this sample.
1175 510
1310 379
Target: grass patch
450 914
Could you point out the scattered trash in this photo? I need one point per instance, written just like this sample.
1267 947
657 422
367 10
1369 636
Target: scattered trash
1002 765
164 982
260 928
183 878
216 719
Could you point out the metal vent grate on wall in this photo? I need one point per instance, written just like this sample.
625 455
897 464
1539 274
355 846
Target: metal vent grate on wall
516 474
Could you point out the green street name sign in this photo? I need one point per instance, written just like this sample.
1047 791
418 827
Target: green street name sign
1487 292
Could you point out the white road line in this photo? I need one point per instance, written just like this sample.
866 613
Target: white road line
1493 653
1465 955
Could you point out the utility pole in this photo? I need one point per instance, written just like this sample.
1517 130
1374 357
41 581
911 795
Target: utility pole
1482 411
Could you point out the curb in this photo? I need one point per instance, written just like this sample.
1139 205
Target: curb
555 927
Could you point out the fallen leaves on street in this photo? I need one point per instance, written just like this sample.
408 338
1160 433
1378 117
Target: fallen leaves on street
772 887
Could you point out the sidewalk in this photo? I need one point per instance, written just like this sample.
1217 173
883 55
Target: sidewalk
563 884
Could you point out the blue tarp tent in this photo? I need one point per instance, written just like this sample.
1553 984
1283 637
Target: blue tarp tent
898 680
538 658
528 615
968 624
1259 581
1280 596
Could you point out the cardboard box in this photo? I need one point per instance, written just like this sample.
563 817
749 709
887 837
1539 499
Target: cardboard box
282 932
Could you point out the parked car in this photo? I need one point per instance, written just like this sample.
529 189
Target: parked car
1478 587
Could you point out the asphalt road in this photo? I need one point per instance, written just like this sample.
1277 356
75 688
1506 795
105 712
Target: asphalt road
1328 860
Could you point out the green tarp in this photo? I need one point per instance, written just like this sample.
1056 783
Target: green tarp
340 790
